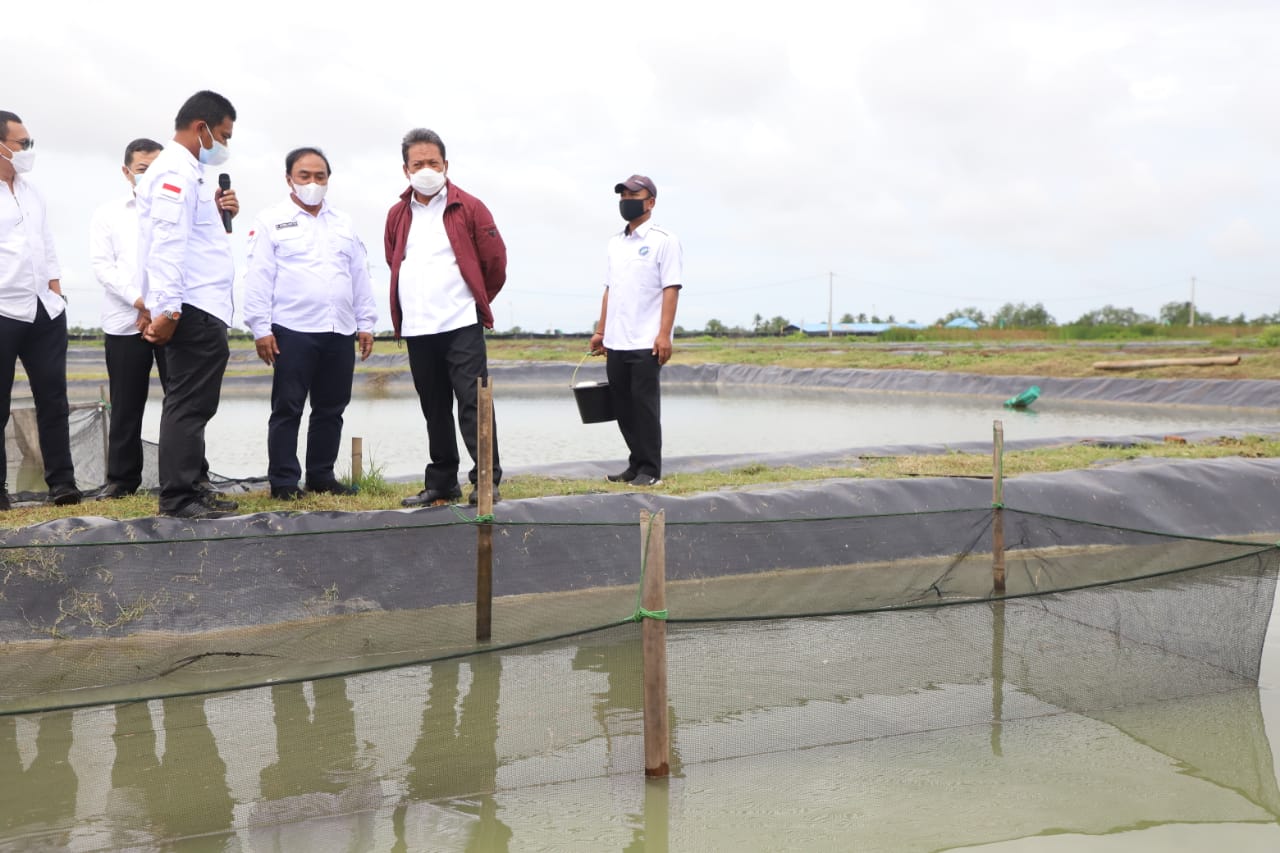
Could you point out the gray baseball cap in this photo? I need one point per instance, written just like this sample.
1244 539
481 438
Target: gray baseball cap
636 183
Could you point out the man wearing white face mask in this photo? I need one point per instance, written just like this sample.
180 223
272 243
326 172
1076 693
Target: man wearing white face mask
185 273
308 301
33 319
447 263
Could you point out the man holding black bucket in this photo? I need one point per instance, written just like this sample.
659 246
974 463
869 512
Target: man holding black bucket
637 314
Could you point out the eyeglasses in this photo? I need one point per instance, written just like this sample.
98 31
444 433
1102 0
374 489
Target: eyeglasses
23 144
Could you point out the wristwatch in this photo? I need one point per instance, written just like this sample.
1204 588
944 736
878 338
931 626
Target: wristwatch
171 315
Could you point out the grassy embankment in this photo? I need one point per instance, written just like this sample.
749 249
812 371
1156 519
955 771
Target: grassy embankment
1009 354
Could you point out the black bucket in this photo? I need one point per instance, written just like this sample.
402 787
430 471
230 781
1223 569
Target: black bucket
595 403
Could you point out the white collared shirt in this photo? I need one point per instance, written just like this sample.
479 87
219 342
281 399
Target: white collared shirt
113 254
27 260
184 253
307 273
642 264
434 297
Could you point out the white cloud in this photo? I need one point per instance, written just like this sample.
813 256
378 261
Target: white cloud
911 146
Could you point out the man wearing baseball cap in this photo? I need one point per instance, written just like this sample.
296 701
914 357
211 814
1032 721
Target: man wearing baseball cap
637 313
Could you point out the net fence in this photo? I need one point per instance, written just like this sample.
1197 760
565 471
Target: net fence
84 620
255 681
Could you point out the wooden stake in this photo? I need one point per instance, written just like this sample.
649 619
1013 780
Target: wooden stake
1139 364
653 639
357 459
484 506
997 501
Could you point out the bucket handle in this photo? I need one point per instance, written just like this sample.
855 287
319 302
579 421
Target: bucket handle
574 378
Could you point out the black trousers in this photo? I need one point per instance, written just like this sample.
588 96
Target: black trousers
316 363
42 347
446 366
637 403
196 358
129 361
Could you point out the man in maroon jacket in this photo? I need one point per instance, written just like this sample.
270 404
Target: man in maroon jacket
447 263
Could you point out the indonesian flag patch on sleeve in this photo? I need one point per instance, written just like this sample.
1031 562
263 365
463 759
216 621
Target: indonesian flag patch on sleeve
171 191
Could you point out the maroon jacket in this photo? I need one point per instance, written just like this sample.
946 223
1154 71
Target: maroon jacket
481 254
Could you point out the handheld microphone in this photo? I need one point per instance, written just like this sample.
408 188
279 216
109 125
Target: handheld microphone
224 183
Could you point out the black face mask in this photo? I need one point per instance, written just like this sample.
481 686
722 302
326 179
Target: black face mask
631 208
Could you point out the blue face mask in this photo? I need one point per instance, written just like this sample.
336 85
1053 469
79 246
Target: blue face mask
215 156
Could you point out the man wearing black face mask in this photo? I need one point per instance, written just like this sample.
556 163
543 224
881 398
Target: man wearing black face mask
637 314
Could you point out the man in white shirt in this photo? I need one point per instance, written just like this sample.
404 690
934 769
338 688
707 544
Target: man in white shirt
448 262
637 314
113 253
186 273
33 319
308 300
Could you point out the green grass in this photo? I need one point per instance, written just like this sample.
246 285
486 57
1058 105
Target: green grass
381 496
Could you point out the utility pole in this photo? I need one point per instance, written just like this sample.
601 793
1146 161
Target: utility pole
831 288
1193 302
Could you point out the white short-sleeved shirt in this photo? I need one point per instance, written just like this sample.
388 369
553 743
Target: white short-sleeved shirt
27 260
307 273
434 297
113 254
643 262
184 252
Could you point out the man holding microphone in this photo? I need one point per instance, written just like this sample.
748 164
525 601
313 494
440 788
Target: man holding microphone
186 273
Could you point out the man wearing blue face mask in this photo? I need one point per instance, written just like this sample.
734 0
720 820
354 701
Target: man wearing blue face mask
33 317
185 273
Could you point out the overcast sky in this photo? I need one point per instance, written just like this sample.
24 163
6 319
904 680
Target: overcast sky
932 155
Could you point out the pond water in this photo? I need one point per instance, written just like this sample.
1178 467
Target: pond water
406 760
540 425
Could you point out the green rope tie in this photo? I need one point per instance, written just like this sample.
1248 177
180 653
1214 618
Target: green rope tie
997 505
641 613
479 519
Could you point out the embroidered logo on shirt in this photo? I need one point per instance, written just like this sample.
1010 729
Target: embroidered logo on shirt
644 250
292 223
171 190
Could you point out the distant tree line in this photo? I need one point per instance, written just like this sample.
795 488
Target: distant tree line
1171 314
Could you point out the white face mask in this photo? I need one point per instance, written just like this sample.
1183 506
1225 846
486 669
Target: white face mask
427 181
215 156
22 160
310 194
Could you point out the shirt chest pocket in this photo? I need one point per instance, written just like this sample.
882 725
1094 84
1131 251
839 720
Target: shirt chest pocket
206 208
290 242
343 242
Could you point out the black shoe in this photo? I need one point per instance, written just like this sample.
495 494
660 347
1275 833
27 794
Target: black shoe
287 493
474 497
622 477
64 495
333 487
5 506
646 480
433 497
213 498
196 510
114 492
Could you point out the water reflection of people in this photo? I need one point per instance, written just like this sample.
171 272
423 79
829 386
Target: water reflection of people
39 801
315 751
183 792
457 750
